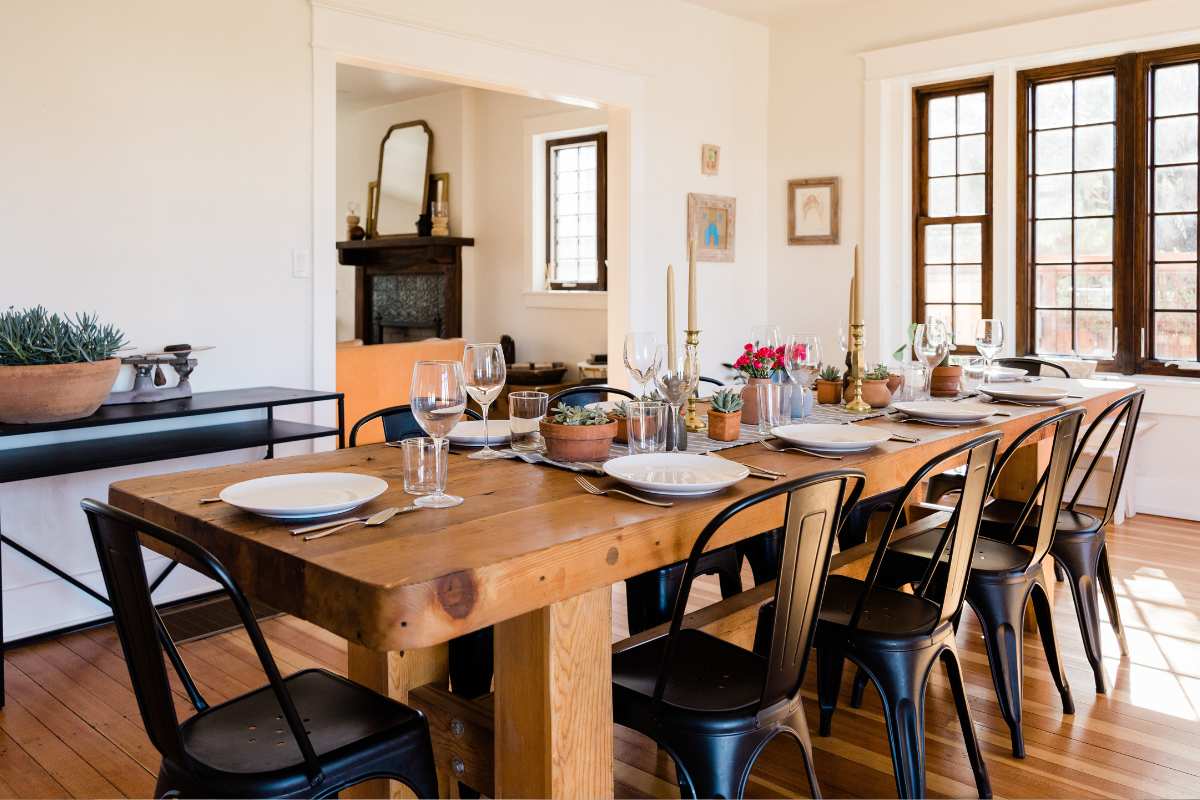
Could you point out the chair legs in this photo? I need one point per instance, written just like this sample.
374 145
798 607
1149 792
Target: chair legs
830 662
983 784
716 766
1080 557
1109 592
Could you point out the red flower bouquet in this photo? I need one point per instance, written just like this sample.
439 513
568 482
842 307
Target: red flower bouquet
760 363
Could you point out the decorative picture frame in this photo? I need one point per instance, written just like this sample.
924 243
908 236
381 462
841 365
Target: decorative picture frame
710 159
814 210
712 224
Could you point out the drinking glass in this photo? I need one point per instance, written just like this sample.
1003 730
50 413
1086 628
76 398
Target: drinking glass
989 339
676 382
766 336
525 412
774 406
802 358
424 465
932 343
974 375
643 356
485 373
646 423
438 399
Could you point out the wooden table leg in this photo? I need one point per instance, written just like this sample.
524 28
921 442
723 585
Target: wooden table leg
554 724
393 674
1017 482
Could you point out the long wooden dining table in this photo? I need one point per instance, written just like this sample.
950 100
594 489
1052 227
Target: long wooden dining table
529 552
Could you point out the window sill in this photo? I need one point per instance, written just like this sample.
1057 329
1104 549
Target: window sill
596 301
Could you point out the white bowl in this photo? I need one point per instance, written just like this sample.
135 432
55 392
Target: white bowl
304 495
831 437
676 473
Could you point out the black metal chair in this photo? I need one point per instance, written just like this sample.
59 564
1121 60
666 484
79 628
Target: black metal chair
713 705
312 734
1035 367
398 423
1006 577
897 638
1080 548
593 389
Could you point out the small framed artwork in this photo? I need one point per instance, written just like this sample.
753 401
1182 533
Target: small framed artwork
813 210
712 224
710 159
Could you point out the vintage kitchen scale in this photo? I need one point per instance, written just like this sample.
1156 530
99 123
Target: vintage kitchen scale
149 382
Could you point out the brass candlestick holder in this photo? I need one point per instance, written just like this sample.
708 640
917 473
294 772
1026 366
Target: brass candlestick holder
856 403
692 421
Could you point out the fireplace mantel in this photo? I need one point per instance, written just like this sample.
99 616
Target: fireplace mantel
437 257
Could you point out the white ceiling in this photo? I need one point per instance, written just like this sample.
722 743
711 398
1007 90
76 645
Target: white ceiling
764 11
359 87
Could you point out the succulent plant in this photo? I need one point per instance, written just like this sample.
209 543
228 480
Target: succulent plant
830 373
579 415
620 410
879 373
33 336
727 401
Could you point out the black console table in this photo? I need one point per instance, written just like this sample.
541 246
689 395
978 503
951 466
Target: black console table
62 458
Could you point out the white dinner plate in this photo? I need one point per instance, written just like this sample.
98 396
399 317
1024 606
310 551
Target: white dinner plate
469 432
676 473
1005 374
304 495
1025 392
946 410
830 437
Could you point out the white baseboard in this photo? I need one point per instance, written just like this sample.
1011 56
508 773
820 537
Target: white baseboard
1166 497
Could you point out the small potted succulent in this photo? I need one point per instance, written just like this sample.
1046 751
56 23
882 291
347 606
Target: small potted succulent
829 385
757 366
725 416
946 379
578 433
620 415
55 368
875 387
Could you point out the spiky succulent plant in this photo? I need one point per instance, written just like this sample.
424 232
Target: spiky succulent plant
620 410
727 401
579 415
33 336
830 373
879 373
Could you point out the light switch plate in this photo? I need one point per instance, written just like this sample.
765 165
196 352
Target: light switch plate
301 264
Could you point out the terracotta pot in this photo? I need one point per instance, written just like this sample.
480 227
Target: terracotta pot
578 442
622 429
55 392
724 427
945 381
829 391
894 382
750 400
875 393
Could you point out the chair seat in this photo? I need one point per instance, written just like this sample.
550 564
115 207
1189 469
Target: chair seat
248 734
990 555
999 516
715 687
890 617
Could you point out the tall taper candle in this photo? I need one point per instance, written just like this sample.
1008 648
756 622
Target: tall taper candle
670 365
693 315
856 290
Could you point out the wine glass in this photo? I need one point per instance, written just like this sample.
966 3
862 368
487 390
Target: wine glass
766 336
438 399
676 382
802 358
643 356
484 371
989 339
932 343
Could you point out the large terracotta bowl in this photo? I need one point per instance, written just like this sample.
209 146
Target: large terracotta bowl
55 392
578 442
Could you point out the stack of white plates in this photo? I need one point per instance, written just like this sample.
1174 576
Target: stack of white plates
831 438
1025 392
469 433
305 495
1005 374
676 473
947 412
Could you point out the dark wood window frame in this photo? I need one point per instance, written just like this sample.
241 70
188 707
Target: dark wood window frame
920 200
601 283
1132 269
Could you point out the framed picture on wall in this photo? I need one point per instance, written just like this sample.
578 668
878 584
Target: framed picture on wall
712 224
710 159
813 210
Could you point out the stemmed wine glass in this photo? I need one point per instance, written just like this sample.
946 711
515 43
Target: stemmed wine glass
483 366
438 399
643 357
802 358
932 343
989 339
766 336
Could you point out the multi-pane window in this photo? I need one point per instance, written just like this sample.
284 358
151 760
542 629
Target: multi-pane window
952 206
575 212
1072 147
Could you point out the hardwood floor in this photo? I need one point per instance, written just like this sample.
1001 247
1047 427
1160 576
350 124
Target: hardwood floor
71 726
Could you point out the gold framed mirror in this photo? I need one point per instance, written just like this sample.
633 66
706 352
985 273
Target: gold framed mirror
401 199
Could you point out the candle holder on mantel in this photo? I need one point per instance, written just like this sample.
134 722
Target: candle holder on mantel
692 421
856 403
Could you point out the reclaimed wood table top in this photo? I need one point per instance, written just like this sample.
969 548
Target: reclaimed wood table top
527 536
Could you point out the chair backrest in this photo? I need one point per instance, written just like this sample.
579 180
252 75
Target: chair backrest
143 636
813 513
1047 494
958 536
587 389
1125 411
1035 366
398 423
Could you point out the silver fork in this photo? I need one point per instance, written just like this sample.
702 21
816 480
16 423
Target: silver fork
779 448
592 488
